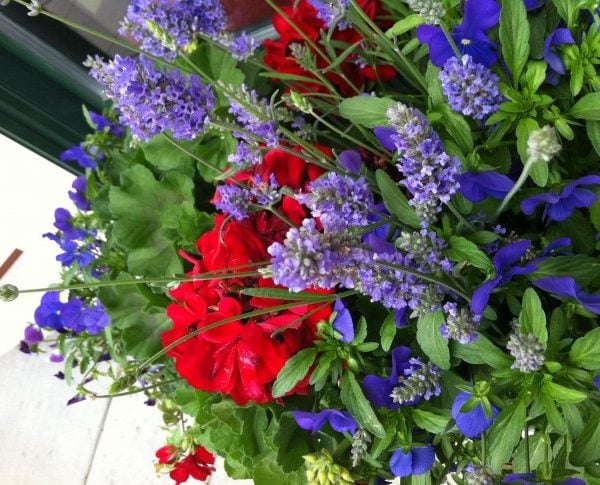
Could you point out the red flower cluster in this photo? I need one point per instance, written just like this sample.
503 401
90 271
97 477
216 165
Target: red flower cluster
243 357
198 465
279 56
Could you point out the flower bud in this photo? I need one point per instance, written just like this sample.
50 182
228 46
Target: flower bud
542 144
431 10
8 292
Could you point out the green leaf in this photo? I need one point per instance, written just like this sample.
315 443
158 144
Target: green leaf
585 448
481 351
592 128
587 108
395 201
191 401
164 155
291 445
532 318
562 394
457 127
514 37
142 339
368 111
267 471
430 339
281 294
294 370
536 454
357 404
218 64
586 351
434 86
505 434
139 206
214 152
430 421
581 267
388 332
463 250
404 25
535 74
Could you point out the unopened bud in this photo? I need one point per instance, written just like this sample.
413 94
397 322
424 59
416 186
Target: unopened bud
300 102
8 292
543 144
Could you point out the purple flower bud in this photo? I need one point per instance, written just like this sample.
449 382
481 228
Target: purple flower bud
33 334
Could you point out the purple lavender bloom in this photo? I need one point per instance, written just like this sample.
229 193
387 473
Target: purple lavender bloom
77 195
531 479
79 155
534 4
567 287
80 318
48 313
556 66
429 172
560 205
474 422
416 461
260 122
352 161
340 421
343 322
461 324
33 334
153 101
243 46
477 186
266 192
339 201
331 11
505 264
470 38
181 20
471 88
234 200
379 389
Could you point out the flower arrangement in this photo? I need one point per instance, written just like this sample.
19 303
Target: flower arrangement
395 277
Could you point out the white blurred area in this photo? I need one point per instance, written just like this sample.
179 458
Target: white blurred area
31 188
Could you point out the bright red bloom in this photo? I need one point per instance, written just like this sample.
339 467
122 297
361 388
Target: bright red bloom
304 16
198 465
243 357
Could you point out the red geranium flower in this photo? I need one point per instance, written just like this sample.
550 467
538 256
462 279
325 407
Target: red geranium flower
198 465
243 357
304 16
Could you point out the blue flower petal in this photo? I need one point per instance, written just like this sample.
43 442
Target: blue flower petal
343 322
422 459
474 422
401 463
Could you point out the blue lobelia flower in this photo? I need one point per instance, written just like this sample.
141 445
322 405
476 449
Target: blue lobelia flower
477 186
340 421
567 287
474 422
104 124
79 155
560 205
531 479
77 195
343 322
379 389
79 318
556 66
505 264
534 4
351 161
416 461
470 36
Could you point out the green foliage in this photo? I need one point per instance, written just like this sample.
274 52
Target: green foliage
587 108
532 318
367 111
430 339
395 201
505 434
586 351
357 404
388 332
481 351
462 250
294 371
514 37
585 448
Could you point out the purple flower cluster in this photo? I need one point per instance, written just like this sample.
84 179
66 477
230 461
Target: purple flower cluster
310 258
339 201
424 250
160 26
331 11
461 324
242 47
152 100
234 200
257 120
73 315
430 174
471 88
77 243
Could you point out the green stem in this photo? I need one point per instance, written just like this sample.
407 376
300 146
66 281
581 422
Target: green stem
450 40
209 275
518 184
423 276
527 452
460 217
193 155
483 450
93 395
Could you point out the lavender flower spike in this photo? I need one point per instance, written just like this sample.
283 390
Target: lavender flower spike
330 11
471 88
420 381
